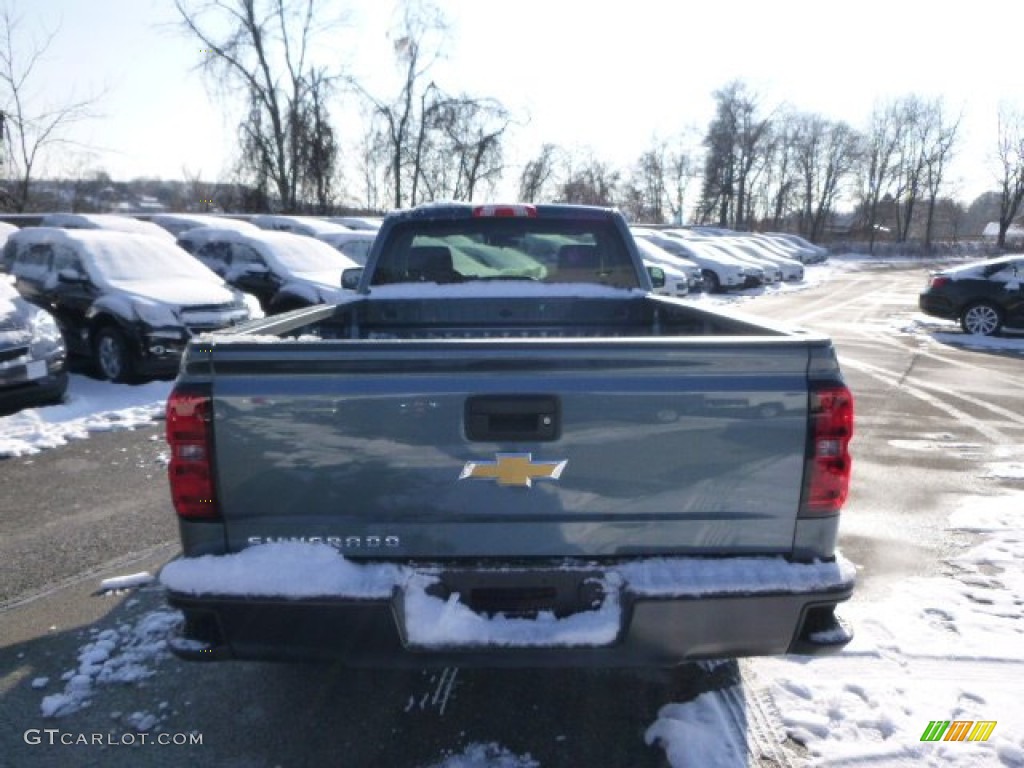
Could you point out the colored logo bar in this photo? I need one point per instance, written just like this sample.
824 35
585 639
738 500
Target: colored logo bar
958 730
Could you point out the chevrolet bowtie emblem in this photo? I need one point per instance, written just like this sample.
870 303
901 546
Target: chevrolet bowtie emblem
513 469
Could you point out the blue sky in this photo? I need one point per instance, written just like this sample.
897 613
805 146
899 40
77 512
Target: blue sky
606 77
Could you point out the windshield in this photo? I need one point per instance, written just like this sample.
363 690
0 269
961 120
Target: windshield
141 258
545 250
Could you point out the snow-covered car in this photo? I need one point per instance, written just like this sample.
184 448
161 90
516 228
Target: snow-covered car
128 302
676 282
311 226
6 229
720 272
176 223
724 245
791 269
355 244
284 271
984 297
806 251
364 223
111 221
32 356
653 254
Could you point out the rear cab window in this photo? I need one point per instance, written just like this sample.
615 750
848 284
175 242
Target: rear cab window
535 249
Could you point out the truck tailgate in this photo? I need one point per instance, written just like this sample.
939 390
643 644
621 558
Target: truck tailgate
520 448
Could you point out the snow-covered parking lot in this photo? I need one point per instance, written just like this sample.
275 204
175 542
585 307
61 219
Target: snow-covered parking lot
942 645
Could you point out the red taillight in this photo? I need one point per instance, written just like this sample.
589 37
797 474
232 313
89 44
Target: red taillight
190 470
938 281
502 211
828 462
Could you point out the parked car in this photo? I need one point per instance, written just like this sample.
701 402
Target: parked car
723 244
284 271
720 272
176 223
810 253
355 244
111 221
367 223
6 230
791 269
653 254
984 297
128 302
676 282
32 355
310 226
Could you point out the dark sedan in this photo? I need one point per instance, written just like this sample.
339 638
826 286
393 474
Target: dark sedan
32 355
984 297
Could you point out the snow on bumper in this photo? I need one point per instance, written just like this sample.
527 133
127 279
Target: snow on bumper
300 600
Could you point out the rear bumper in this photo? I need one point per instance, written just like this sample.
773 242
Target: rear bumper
643 616
937 306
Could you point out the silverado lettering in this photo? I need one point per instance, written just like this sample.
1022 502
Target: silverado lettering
514 428
338 542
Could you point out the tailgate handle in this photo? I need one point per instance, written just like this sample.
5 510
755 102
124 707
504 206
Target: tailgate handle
501 418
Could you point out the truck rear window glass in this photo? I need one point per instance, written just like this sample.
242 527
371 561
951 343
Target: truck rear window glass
549 251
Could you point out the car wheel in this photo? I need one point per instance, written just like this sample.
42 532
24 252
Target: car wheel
112 356
711 282
982 319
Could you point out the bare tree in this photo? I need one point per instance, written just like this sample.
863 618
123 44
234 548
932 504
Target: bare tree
780 185
537 173
736 148
29 125
825 154
262 47
433 144
399 127
1010 157
880 156
940 146
646 191
683 167
473 131
593 183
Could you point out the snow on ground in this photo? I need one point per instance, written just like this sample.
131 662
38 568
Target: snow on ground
943 648
940 648
90 406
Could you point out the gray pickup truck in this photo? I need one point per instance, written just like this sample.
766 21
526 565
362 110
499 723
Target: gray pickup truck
505 450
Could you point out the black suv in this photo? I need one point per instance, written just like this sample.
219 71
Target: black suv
128 302
984 297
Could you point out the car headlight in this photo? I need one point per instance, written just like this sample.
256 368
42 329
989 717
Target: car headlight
45 334
155 314
251 303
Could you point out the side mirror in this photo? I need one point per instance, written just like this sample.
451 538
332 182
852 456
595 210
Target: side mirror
657 275
350 278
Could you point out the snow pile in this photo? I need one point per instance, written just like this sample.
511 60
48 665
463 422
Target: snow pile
682 730
432 622
124 655
282 569
120 583
91 406
949 648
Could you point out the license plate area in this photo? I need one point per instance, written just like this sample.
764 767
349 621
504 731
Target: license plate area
522 594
